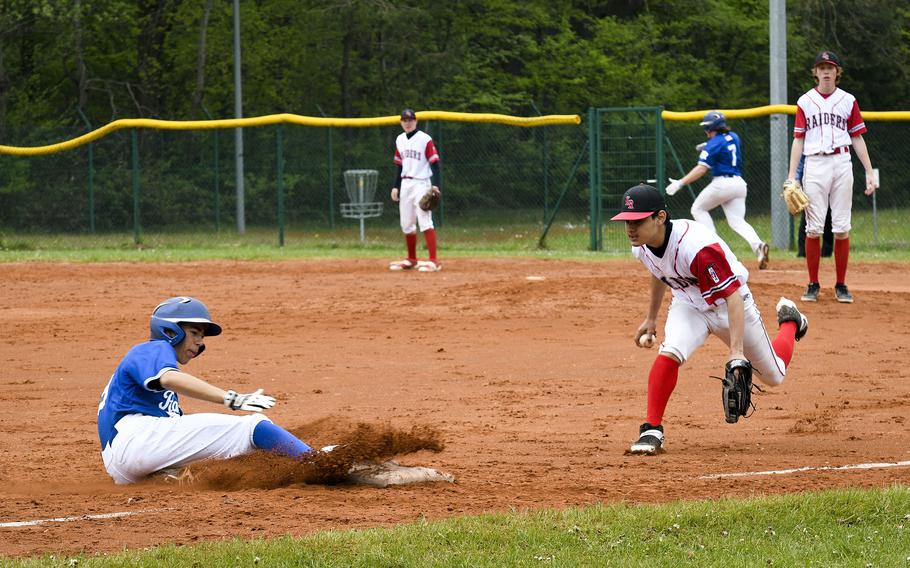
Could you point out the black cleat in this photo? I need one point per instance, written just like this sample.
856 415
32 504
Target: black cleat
650 440
811 293
787 311
843 295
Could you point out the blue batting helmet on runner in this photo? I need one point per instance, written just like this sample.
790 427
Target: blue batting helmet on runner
169 314
713 121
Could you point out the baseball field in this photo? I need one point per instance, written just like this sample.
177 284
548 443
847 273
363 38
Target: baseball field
524 368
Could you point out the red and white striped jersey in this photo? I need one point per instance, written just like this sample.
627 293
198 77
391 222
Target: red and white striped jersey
415 154
697 265
827 122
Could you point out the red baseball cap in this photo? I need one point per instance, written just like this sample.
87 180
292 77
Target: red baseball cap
639 202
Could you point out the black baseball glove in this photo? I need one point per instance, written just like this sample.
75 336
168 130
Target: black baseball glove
737 389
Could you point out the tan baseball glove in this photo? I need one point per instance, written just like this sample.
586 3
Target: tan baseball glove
794 196
430 199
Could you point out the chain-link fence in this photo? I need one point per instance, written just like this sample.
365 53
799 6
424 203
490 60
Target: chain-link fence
498 181
636 146
504 186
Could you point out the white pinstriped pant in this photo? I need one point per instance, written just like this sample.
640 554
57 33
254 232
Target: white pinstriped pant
729 193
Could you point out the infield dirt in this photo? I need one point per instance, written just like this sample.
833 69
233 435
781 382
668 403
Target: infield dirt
527 390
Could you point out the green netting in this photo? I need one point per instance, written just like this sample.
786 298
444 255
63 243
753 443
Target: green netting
629 154
499 182
493 176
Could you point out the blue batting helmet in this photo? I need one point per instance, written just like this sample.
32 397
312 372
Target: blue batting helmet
714 121
169 314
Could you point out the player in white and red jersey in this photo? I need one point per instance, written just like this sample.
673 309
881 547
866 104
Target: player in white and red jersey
710 296
418 171
828 122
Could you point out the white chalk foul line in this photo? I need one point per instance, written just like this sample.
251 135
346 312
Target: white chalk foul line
807 468
79 518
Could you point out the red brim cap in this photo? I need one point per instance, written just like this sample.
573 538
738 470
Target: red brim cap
631 215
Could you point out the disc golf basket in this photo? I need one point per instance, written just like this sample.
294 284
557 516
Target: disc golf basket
361 188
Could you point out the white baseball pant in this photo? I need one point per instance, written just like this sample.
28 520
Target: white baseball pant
687 329
146 444
409 211
828 182
729 193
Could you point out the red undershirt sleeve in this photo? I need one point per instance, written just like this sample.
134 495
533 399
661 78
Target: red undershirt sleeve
715 277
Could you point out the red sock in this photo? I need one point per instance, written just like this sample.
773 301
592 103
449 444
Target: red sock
430 236
783 343
841 254
411 240
661 382
813 256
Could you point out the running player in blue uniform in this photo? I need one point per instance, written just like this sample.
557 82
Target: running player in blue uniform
723 157
140 423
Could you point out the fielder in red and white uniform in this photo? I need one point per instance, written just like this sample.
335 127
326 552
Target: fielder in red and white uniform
828 122
710 297
418 171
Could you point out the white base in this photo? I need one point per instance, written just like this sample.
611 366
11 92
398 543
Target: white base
391 473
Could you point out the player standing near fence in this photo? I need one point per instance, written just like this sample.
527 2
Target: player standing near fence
828 121
143 429
417 173
710 296
722 155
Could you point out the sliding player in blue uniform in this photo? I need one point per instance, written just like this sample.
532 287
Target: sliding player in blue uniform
142 428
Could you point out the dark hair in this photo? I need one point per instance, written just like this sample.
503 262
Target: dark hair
656 213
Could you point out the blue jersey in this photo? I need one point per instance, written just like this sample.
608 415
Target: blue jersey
723 155
129 390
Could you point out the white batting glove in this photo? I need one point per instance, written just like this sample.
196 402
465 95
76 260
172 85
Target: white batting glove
674 186
700 147
253 402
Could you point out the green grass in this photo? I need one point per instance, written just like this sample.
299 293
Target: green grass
518 239
832 528
496 235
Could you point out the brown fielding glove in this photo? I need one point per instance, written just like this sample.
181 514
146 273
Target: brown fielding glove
794 196
430 199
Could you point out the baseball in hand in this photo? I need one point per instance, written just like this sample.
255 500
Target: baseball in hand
646 340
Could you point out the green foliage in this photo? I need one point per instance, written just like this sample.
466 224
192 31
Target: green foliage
870 36
371 57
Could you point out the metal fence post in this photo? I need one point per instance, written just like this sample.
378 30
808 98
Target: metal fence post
442 202
329 143
91 176
544 150
134 138
215 172
279 150
660 172
594 176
